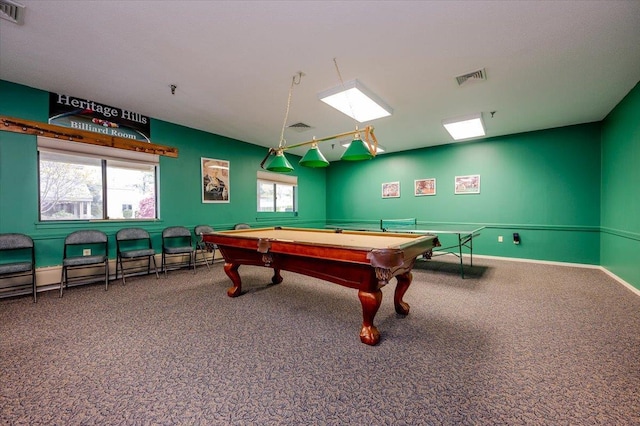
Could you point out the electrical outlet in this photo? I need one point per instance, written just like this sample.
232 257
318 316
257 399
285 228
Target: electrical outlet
499 238
86 252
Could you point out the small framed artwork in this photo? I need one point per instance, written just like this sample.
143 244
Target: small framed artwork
215 180
469 184
391 190
424 187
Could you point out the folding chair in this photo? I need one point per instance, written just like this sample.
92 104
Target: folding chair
74 257
176 241
17 262
203 247
134 244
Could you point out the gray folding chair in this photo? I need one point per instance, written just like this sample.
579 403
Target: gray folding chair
17 263
74 257
203 247
176 241
134 244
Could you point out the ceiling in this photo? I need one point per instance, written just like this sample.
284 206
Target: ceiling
548 64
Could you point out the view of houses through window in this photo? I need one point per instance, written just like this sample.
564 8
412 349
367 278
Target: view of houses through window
73 187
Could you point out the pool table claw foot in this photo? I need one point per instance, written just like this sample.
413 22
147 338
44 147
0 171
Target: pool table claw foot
402 308
231 269
369 335
370 301
234 291
404 281
277 278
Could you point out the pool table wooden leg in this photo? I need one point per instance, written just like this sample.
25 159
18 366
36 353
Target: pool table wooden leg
231 269
277 278
370 301
404 281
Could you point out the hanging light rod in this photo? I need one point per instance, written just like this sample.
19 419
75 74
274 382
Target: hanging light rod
370 142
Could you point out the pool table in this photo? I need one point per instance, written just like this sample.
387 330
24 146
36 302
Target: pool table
365 261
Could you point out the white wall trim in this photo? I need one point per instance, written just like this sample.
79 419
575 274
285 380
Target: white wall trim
542 262
574 265
620 280
48 278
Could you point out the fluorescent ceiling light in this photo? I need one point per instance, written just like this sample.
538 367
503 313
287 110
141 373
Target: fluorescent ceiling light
470 126
356 101
347 143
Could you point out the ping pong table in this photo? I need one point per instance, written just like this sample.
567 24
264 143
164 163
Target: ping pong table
461 236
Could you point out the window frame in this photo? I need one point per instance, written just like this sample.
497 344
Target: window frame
105 155
276 180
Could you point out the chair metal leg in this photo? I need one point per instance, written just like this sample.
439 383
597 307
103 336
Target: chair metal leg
203 252
33 280
206 261
164 265
106 275
62 279
119 260
155 266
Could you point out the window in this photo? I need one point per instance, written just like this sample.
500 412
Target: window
86 182
277 193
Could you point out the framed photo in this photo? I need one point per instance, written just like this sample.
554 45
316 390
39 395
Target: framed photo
391 190
215 180
469 184
424 187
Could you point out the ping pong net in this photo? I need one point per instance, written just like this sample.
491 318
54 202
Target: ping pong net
398 224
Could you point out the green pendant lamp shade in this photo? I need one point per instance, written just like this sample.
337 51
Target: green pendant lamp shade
314 158
280 164
357 151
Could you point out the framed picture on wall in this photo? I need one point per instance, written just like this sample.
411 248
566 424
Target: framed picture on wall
424 187
469 184
391 190
215 180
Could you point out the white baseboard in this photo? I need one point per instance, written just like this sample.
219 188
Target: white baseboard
620 280
48 278
549 262
542 262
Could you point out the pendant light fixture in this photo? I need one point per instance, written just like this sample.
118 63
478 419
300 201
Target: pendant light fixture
358 149
314 158
280 163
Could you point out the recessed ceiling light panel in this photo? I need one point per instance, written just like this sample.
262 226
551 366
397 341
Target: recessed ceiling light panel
356 101
470 126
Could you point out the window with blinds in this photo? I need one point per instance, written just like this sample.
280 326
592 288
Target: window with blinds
277 192
87 182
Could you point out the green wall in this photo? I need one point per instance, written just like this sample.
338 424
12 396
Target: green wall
620 208
571 193
180 183
544 185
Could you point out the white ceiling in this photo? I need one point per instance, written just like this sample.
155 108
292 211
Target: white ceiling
548 63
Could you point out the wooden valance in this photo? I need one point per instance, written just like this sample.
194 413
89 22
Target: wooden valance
17 125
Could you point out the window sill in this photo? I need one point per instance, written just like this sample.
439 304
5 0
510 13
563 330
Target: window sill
266 216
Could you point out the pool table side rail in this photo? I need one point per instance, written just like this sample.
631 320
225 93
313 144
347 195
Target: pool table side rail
379 257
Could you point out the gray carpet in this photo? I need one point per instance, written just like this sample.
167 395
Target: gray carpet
512 344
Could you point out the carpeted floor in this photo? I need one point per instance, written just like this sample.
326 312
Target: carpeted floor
512 344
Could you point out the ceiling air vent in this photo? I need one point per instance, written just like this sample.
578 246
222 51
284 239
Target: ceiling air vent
12 11
300 127
475 75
